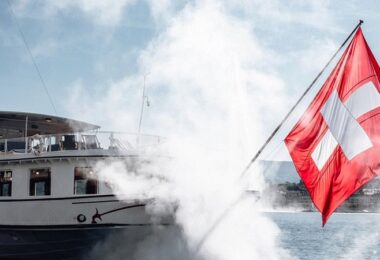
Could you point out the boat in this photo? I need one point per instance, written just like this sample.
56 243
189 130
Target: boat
52 202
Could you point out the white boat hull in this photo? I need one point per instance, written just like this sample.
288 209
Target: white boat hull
68 228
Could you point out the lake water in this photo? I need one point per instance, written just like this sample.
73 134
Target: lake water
345 236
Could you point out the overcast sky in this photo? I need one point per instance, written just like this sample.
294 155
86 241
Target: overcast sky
93 54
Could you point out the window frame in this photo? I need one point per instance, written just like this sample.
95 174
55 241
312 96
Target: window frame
2 182
83 173
33 180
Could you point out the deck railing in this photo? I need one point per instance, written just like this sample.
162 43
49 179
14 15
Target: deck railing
105 140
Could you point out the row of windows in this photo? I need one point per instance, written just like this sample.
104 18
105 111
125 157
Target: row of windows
85 182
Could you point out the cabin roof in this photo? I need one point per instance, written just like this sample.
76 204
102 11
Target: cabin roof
13 124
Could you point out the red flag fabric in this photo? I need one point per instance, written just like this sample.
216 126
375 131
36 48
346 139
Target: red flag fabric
335 146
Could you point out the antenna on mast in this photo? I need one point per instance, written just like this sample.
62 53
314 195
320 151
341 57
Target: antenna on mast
144 97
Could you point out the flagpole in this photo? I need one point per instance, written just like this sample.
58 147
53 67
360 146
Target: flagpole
234 203
254 158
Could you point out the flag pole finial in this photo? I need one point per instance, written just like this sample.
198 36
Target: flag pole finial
361 22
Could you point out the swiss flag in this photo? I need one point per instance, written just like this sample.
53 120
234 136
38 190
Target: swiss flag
335 146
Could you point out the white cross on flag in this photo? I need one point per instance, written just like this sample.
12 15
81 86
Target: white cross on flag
335 146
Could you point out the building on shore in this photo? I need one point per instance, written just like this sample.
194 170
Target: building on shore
286 191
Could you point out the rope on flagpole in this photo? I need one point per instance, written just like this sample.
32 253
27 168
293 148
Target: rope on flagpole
254 158
236 202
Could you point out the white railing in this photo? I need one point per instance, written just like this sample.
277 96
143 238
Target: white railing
105 140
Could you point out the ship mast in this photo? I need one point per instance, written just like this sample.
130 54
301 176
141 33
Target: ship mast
142 111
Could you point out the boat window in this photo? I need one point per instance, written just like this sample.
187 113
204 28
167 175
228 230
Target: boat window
54 144
39 182
6 183
85 181
16 146
90 142
68 142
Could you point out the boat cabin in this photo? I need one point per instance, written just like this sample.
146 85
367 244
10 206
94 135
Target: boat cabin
43 155
28 132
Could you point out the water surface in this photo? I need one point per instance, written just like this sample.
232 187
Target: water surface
345 236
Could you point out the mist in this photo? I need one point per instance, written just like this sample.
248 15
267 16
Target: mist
210 98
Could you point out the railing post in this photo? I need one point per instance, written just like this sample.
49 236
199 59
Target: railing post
26 134
26 144
112 140
79 142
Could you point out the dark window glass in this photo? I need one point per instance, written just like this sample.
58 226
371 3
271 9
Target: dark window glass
85 181
69 143
5 183
39 182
